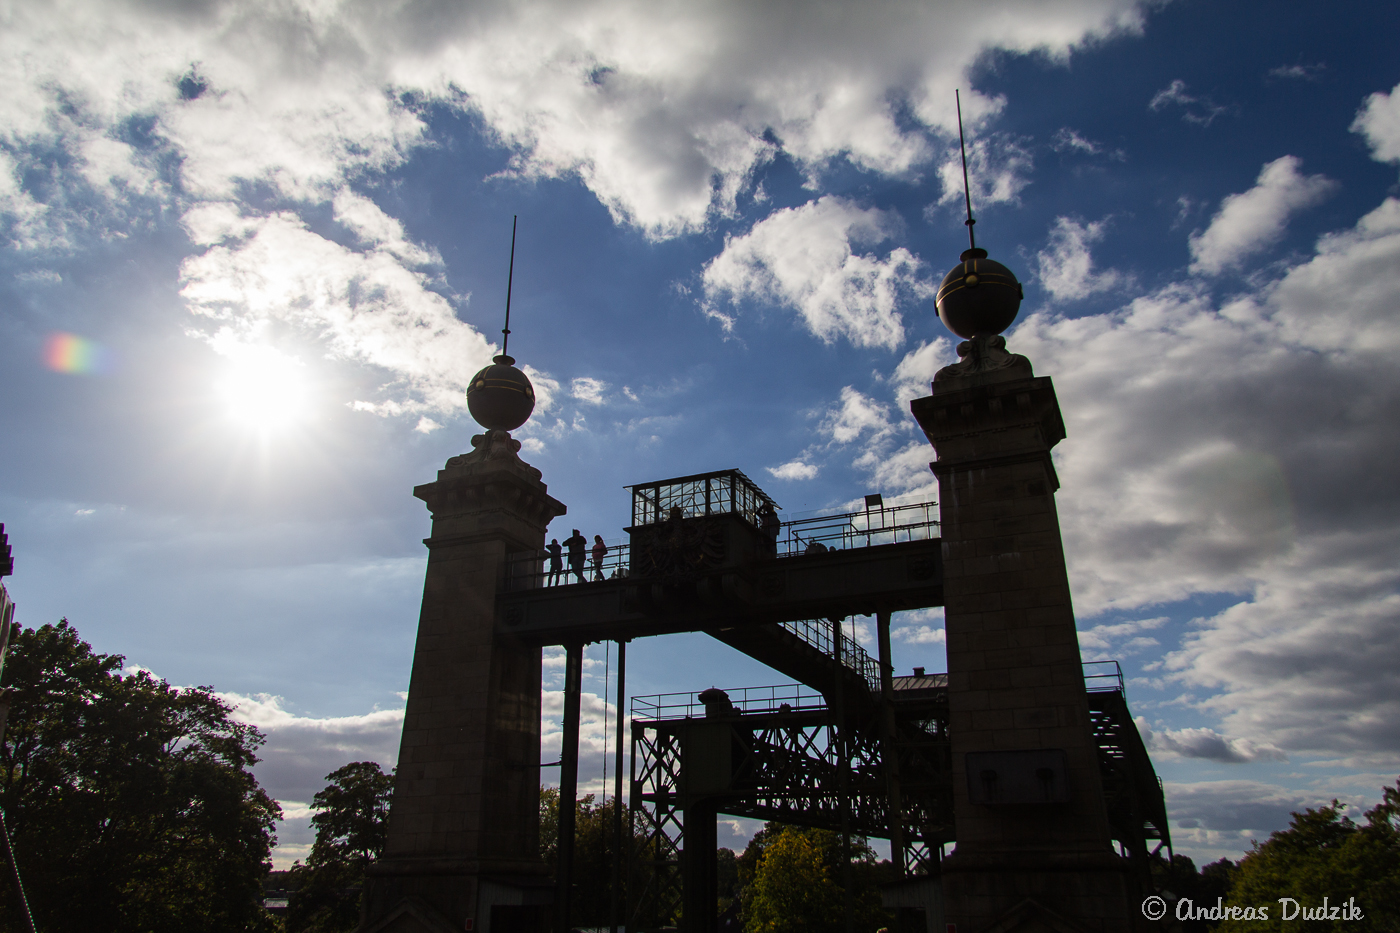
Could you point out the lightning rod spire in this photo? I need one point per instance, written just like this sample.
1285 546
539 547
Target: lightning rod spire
967 194
510 278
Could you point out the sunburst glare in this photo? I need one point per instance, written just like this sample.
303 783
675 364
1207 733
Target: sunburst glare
263 388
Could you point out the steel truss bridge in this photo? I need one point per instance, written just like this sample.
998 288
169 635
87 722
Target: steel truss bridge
849 747
781 754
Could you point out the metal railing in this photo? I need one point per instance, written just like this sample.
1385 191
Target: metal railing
876 524
821 634
780 698
529 570
720 492
1099 677
1103 676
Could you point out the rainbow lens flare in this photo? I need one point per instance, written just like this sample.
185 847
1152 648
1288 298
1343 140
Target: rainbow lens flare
69 353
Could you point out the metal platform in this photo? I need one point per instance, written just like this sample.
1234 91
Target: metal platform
777 753
698 558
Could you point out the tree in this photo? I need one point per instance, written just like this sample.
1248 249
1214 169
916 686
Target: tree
351 821
1178 879
1325 854
130 802
594 853
792 889
792 879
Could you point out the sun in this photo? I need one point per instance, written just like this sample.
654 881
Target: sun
263 388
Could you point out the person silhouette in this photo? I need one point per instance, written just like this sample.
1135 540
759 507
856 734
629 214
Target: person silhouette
575 545
600 551
770 524
556 561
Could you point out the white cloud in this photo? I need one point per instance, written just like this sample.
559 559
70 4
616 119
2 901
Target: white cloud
892 467
1379 121
920 627
998 169
587 389
1112 640
1204 743
664 113
1066 268
595 746
858 414
1199 110
302 750
365 307
913 377
377 229
1255 219
1066 139
1246 449
802 257
921 634
794 470
1299 72
1215 819
903 470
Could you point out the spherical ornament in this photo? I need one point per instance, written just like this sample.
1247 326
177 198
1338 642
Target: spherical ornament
500 397
980 297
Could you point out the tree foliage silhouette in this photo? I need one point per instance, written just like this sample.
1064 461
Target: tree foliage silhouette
791 881
1325 854
131 802
351 822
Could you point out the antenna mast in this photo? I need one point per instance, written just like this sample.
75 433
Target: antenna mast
967 195
510 278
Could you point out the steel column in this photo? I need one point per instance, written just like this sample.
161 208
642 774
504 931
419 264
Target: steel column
568 783
620 849
887 742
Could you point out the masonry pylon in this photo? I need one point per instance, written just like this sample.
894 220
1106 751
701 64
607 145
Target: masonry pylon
463 839
1033 838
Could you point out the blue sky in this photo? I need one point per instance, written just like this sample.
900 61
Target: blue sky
282 230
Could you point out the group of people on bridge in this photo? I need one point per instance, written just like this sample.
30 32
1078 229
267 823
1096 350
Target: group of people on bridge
578 550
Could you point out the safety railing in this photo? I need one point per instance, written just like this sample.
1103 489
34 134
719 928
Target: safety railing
531 570
1099 677
1103 676
821 634
780 698
878 523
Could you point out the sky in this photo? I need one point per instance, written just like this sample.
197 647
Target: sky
252 251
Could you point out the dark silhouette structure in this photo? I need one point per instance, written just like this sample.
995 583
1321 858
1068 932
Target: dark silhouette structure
1021 755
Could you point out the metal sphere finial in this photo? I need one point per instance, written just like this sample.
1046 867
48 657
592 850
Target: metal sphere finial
500 397
979 297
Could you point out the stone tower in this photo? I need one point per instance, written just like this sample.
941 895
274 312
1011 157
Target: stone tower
463 841
1033 846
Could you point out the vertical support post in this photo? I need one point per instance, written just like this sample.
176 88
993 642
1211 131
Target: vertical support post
699 866
568 782
620 849
889 751
843 773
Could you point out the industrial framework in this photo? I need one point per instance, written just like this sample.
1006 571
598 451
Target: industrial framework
849 747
